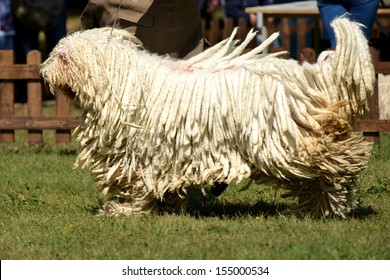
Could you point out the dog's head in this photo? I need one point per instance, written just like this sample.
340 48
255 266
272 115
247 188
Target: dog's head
81 65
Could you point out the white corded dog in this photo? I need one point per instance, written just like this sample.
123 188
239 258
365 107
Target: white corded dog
155 126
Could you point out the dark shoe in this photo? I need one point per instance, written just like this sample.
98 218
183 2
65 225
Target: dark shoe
218 188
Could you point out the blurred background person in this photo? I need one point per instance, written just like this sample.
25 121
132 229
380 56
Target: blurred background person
7 30
362 11
210 9
28 33
236 9
39 25
164 27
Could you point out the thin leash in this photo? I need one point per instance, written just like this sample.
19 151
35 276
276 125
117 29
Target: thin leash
113 25
116 17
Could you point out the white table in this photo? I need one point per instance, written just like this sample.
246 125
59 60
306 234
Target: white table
302 10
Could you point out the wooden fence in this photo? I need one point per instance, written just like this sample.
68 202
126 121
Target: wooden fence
63 122
370 124
34 122
217 29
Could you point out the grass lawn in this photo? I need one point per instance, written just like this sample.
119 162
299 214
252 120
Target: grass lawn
48 211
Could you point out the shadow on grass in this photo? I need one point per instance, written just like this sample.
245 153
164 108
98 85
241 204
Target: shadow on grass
362 212
201 206
234 210
206 206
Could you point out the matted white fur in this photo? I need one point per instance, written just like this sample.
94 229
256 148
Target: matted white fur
155 126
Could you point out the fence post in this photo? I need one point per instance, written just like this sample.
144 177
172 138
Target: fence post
214 32
242 28
301 31
34 97
228 26
373 104
285 33
7 97
63 109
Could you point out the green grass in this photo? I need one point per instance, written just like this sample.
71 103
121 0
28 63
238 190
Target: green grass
48 211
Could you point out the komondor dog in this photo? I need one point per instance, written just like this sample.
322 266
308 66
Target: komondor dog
155 126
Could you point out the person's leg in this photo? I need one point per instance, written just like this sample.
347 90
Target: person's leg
329 10
6 42
54 35
364 11
26 39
